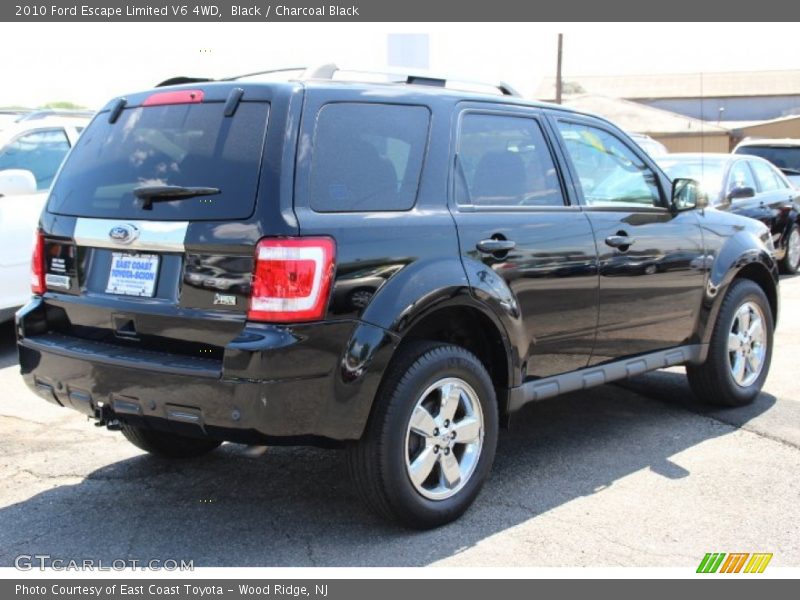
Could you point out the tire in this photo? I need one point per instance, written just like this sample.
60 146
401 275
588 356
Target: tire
790 263
715 381
167 445
380 463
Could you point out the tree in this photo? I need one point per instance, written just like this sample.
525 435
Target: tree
63 104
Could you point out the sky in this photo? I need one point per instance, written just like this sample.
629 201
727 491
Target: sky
90 63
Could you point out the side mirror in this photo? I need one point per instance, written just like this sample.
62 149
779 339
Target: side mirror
686 195
15 182
738 193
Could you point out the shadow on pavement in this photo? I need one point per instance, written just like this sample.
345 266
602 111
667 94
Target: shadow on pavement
295 506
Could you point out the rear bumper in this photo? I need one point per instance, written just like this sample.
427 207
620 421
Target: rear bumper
273 385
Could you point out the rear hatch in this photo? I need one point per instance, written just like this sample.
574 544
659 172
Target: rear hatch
149 231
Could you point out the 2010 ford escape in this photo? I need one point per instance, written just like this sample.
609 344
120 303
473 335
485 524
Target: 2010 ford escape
391 267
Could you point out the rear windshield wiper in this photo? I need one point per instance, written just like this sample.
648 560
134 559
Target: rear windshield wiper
789 171
169 193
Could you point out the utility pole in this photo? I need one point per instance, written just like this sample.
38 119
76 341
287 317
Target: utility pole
558 68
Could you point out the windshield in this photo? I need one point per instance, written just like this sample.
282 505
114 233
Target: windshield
783 158
191 145
708 173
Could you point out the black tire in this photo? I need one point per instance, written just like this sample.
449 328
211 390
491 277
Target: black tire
786 264
167 445
712 382
377 462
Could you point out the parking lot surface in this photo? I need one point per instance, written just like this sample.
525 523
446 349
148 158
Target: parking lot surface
635 474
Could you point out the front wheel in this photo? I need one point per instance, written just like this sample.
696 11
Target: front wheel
431 439
740 350
791 260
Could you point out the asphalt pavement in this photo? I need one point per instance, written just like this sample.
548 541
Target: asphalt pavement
633 474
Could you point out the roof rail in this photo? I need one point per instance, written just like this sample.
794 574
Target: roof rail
329 71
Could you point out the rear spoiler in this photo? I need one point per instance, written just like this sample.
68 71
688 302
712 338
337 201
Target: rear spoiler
180 80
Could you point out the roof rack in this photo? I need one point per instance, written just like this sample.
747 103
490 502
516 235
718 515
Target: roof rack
329 71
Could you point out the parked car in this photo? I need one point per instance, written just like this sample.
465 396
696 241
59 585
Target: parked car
653 147
783 153
31 151
749 186
517 239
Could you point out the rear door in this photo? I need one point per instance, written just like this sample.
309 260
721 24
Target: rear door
165 273
651 257
515 222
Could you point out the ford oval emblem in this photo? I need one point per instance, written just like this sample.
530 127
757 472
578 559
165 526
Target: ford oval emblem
124 234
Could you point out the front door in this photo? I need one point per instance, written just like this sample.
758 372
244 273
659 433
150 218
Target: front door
651 257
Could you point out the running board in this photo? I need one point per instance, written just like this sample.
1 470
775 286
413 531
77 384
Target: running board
583 379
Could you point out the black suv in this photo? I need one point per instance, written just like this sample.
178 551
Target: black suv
390 267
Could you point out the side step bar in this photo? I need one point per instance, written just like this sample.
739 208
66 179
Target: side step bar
547 387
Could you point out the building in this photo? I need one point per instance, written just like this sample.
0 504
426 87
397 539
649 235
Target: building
712 97
677 132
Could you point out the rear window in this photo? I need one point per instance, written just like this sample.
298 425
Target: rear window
367 157
192 145
782 157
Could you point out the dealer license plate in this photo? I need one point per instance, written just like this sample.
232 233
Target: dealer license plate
133 274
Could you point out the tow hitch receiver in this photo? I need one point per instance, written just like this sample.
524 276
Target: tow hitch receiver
104 416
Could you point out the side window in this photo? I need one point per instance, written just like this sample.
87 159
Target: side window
40 152
367 157
505 161
740 176
610 173
768 181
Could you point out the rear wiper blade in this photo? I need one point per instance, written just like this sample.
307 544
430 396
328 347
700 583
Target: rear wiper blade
169 193
789 171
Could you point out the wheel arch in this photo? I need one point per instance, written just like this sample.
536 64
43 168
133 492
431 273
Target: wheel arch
754 264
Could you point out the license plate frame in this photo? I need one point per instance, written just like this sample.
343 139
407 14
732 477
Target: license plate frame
127 275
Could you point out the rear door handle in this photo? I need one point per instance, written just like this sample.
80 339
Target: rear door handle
620 241
492 246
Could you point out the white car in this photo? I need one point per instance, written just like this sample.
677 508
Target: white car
31 150
654 148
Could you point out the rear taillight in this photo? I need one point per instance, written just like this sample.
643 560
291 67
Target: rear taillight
37 265
292 279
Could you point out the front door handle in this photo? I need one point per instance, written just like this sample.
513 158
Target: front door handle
492 246
620 241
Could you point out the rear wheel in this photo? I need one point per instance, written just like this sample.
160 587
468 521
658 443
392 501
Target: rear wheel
167 445
431 439
791 260
740 350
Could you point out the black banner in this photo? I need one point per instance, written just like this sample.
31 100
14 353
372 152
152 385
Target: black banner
394 10
391 589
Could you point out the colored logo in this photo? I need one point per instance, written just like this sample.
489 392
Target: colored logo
734 562
124 234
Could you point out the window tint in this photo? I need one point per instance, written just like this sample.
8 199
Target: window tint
505 161
367 157
40 152
191 145
740 176
610 173
768 180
